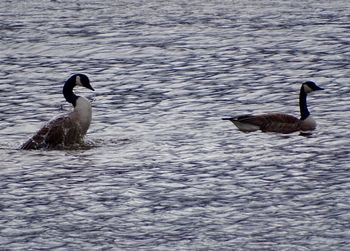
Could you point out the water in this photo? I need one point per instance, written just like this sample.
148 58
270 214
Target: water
165 172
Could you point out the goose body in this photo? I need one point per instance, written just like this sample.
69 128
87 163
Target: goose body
280 122
67 129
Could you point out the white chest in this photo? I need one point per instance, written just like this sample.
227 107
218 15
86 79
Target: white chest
308 124
83 112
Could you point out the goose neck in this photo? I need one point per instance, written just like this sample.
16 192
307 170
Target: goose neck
304 112
69 94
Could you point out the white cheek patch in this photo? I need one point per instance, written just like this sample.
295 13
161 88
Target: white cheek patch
78 81
307 89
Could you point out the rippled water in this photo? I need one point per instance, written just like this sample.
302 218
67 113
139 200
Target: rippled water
166 173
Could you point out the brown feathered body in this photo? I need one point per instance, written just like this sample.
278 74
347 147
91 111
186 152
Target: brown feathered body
60 132
274 122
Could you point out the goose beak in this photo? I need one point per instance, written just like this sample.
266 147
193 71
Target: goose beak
89 87
317 88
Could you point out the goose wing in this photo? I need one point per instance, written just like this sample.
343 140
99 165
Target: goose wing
274 122
62 130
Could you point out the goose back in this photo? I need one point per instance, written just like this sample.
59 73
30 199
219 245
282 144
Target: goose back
274 122
59 132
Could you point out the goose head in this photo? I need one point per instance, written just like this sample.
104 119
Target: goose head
310 86
79 80
73 81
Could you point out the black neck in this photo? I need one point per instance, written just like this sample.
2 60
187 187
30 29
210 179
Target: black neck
304 112
69 94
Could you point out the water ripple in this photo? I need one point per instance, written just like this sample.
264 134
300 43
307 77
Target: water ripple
165 172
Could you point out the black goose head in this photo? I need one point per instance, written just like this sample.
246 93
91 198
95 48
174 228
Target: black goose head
75 80
79 80
310 86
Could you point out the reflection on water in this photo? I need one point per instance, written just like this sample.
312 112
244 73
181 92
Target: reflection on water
164 172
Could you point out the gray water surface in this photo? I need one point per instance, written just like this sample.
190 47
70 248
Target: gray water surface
165 172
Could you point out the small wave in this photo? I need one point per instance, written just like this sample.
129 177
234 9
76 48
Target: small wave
99 142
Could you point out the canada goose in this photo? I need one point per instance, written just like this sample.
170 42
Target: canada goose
279 122
67 129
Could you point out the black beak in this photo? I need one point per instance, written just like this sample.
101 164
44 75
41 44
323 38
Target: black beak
89 87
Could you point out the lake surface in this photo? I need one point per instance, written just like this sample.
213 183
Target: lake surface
164 171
